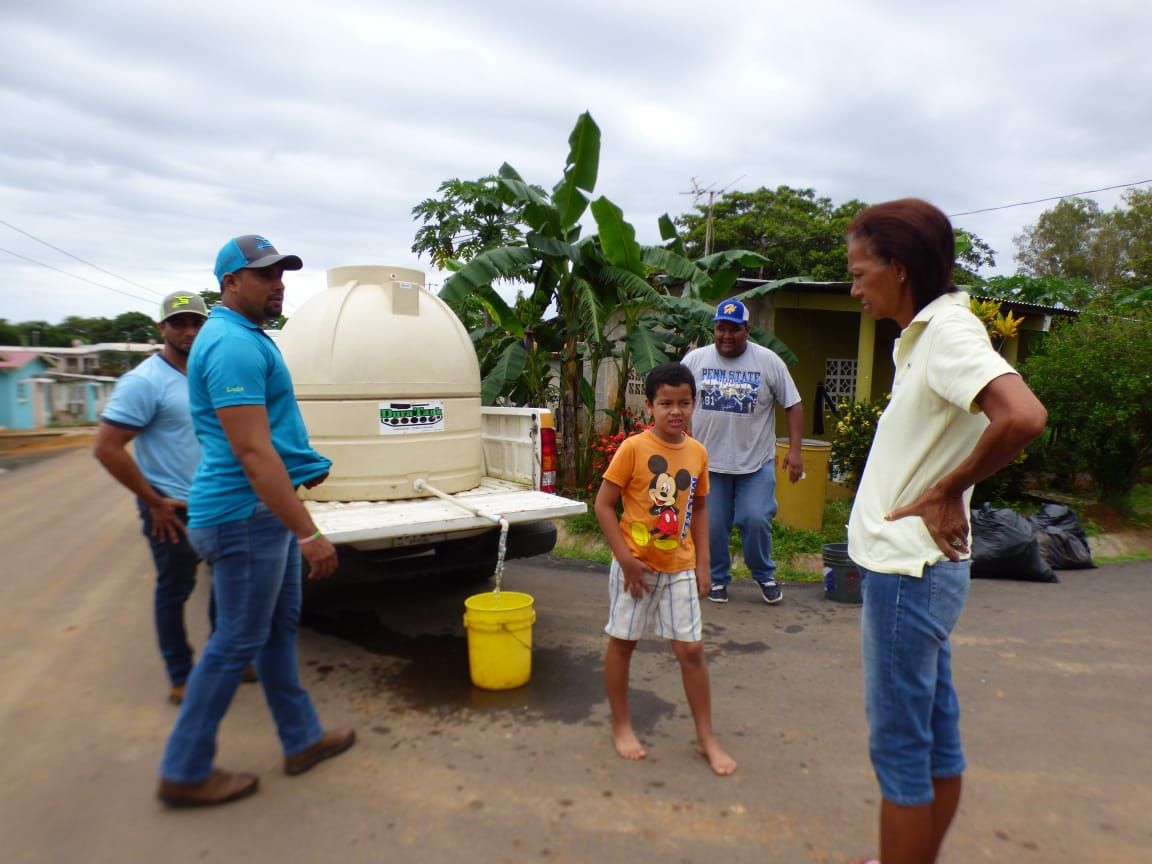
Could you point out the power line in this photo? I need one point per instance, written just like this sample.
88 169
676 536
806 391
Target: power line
1052 198
77 258
74 276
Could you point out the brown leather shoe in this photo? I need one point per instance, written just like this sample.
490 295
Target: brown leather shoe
249 676
176 694
330 744
219 787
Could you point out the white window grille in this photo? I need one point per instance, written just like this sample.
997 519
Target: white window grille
840 380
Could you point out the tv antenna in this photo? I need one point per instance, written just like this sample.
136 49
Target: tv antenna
699 192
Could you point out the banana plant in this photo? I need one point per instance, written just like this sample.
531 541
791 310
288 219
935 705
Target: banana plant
613 298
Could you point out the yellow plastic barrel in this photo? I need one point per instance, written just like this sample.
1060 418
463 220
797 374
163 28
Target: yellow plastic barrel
801 504
499 639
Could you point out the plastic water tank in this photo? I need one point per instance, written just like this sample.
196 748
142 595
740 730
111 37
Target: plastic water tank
388 385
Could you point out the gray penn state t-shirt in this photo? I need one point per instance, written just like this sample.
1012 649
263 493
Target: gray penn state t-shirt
736 398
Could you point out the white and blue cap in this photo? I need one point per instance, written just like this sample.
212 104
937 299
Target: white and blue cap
733 311
251 251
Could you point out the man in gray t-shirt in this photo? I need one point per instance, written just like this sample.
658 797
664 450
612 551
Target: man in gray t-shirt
738 385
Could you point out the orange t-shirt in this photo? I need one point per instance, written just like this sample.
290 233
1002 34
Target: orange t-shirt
658 481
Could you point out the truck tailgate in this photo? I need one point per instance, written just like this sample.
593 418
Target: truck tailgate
358 522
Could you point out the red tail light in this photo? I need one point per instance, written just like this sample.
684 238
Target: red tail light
549 460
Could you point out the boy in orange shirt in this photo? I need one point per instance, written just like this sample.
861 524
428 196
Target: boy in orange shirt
660 566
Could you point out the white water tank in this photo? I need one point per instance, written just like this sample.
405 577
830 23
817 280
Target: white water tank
388 384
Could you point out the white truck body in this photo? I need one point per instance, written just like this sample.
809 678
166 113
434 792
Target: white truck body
427 533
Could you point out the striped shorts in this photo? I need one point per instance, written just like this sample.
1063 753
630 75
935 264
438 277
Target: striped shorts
670 610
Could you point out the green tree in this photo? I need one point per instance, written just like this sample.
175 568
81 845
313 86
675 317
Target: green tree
972 253
1076 240
1093 376
1043 290
797 232
1134 290
41 333
466 218
133 327
9 333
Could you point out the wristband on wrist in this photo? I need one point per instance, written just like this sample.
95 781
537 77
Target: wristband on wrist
303 540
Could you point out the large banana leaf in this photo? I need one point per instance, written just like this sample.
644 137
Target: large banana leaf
580 172
508 369
539 212
550 246
645 350
617 237
629 288
677 266
732 259
587 395
506 262
475 280
668 232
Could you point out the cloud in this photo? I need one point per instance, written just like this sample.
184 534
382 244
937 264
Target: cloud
140 136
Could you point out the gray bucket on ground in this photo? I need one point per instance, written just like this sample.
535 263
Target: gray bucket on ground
841 575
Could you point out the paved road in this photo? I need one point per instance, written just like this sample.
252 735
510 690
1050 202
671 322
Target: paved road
1055 681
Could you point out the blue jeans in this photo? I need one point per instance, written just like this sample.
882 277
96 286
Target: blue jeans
913 712
747 500
175 579
256 577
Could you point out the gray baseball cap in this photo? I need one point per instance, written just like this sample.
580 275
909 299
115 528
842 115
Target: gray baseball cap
182 303
251 251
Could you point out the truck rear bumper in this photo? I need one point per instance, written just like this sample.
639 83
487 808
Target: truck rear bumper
370 526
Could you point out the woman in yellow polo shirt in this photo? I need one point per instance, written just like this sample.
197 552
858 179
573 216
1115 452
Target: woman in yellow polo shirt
958 414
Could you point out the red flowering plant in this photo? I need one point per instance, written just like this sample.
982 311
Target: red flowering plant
604 447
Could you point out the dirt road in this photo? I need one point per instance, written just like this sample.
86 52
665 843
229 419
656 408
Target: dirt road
1055 681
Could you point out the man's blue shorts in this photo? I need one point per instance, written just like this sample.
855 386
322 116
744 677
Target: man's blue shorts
913 712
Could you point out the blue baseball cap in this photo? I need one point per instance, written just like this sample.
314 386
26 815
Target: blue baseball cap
250 251
733 311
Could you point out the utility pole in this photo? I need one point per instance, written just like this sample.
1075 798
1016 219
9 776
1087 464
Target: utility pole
697 192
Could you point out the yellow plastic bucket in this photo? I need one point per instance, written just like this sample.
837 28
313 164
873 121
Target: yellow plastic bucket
801 504
499 639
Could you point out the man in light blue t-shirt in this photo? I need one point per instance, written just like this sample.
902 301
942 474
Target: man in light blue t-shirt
149 408
738 386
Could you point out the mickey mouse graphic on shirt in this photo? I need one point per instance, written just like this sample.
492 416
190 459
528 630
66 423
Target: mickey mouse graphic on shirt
663 489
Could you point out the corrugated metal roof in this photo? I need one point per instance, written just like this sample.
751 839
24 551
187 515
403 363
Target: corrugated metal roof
845 287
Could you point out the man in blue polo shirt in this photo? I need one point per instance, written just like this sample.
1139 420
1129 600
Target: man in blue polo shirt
246 520
150 408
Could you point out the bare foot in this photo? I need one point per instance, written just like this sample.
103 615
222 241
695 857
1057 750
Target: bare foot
721 762
627 744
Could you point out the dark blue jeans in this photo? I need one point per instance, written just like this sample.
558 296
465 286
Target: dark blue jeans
175 578
748 500
256 578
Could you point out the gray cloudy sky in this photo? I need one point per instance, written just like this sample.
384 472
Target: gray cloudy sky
140 136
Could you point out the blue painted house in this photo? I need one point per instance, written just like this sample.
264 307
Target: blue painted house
37 391
25 389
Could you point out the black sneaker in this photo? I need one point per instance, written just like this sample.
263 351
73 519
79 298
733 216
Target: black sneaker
718 594
771 592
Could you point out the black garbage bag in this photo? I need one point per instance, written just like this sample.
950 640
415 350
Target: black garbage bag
1004 546
1063 542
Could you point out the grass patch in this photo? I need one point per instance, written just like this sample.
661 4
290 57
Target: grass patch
1121 559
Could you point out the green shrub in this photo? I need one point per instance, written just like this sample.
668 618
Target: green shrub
855 429
1094 375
